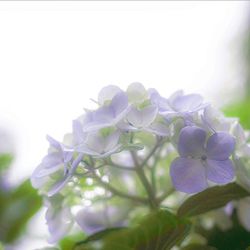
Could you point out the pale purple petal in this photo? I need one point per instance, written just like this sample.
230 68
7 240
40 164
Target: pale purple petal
220 172
42 171
158 128
107 93
100 146
67 156
58 186
175 95
191 141
95 142
94 220
61 183
142 118
59 223
111 141
186 102
220 146
79 135
108 115
38 182
54 143
158 100
188 175
52 159
119 103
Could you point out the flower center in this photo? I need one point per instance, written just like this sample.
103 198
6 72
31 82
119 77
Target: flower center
203 157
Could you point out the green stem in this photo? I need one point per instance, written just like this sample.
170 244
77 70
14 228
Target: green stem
139 170
117 192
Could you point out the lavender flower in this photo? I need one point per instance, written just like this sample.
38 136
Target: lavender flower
121 149
100 145
177 104
201 161
107 115
92 220
59 218
57 160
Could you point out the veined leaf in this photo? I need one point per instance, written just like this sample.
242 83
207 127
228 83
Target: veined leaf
211 198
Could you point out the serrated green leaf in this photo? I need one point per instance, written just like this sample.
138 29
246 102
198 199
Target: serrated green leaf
211 198
160 230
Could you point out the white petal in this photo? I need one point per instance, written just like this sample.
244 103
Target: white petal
136 92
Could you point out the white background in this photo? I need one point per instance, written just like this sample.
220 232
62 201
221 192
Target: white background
54 56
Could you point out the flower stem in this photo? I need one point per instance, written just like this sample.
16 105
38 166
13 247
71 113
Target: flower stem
139 170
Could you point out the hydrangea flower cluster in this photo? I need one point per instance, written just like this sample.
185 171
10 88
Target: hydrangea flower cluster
132 152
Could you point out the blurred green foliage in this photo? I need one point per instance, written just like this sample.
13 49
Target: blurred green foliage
69 242
17 204
5 161
240 110
235 238
159 230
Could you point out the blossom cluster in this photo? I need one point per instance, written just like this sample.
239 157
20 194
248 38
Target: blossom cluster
134 150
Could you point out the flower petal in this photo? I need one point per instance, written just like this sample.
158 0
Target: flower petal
59 223
107 93
220 172
142 118
136 92
191 141
119 103
92 220
159 101
188 175
183 103
220 146
54 143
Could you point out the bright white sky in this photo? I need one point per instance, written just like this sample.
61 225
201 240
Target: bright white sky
54 56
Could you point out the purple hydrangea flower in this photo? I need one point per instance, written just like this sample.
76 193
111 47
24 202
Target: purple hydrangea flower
177 104
142 118
98 145
202 160
107 93
107 115
59 218
92 220
58 159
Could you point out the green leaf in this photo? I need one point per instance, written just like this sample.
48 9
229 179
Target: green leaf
211 198
160 230
20 205
198 247
101 234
